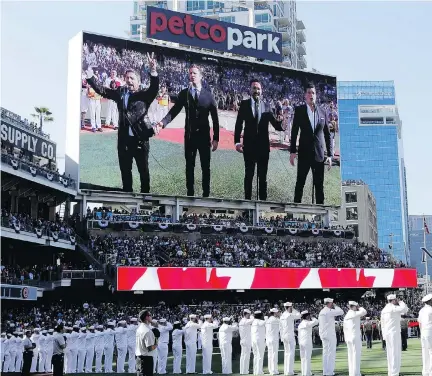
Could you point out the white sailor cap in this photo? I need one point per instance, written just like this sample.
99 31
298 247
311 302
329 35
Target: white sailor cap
192 316
36 329
247 311
288 304
391 297
328 300
75 327
304 313
352 302
207 316
50 330
122 322
133 319
274 310
111 323
9 335
92 327
162 320
44 332
154 321
226 319
3 334
15 332
12 325
257 312
77 322
83 329
367 318
177 322
99 327
427 298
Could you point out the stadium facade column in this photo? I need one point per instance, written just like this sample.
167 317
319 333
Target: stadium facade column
256 214
52 213
14 201
326 218
34 205
177 210
67 209
84 207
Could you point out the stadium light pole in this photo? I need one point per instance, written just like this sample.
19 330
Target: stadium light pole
425 254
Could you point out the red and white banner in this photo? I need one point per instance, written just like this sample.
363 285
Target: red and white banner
131 278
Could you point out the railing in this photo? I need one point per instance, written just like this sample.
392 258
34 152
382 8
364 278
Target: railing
27 282
82 274
29 228
34 170
263 7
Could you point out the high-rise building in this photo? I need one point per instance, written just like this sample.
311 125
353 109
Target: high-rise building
278 16
418 239
358 210
372 151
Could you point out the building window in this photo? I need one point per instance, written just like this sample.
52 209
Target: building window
230 19
215 4
135 29
351 214
195 5
356 233
262 18
350 197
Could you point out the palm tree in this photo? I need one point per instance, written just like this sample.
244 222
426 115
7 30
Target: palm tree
43 114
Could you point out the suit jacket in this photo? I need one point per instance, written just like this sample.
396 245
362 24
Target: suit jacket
255 136
311 143
197 115
135 114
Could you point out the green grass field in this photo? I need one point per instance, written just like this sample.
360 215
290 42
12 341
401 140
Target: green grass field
99 165
374 361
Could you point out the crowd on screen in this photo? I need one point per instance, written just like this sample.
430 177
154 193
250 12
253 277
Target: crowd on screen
232 251
29 224
229 84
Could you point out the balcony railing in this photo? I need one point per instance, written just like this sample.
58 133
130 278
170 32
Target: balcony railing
82 274
35 170
263 7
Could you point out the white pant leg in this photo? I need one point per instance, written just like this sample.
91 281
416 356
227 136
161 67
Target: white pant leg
207 352
121 357
6 363
326 356
98 360
98 114
155 361
426 343
394 353
289 353
273 359
269 358
162 358
305 359
92 110
228 359
11 367
89 360
73 360
108 353
18 361
245 358
261 349
66 360
131 358
191 350
81 360
33 367
177 353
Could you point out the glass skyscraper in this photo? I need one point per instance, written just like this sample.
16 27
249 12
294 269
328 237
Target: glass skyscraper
372 151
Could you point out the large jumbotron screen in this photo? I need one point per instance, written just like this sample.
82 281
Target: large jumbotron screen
227 82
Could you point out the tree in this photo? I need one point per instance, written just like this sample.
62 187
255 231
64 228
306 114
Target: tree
43 114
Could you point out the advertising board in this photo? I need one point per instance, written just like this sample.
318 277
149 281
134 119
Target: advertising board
118 150
165 279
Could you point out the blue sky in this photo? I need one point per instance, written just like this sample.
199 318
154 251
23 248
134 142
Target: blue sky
365 40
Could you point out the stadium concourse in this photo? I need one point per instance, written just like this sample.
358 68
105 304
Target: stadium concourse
92 272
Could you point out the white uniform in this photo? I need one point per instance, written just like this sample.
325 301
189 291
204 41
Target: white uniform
35 339
207 345
99 349
50 348
327 332
425 321
177 349
272 340
258 336
190 336
13 344
19 354
162 348
66 352
109 349
287 321
112 110
6 353
90 350
2 351
246 344
353 339
391 330
305 343
81 346
72 344
225 345
131 338
121 344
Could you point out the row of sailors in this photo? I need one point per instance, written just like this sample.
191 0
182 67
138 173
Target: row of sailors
83 347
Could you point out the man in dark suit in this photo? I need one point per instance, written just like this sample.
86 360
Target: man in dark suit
199 104
135 128
256 116
312 123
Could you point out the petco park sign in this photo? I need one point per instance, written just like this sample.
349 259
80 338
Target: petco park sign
212 34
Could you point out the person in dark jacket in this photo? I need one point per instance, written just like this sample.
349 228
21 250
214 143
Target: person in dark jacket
135 128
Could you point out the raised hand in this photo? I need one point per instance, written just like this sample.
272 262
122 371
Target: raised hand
151 60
